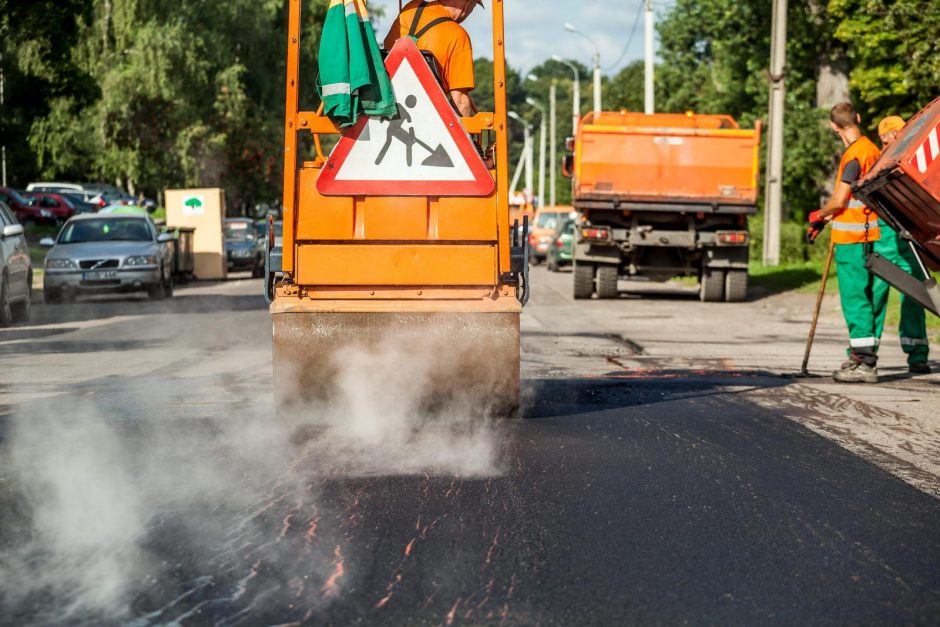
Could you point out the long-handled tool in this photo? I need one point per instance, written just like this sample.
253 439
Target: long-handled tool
819 300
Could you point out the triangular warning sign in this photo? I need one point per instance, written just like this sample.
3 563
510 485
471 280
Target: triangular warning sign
422 151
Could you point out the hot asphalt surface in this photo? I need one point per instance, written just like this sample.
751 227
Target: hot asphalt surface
651 481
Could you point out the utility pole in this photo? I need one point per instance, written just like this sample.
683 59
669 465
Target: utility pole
3 149
773 194
543 132
576 96
553 138
649 100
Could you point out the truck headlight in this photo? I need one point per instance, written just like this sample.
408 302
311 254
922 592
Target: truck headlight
60 264
140 260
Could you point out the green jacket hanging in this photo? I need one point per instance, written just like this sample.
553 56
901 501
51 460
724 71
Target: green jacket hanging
353 80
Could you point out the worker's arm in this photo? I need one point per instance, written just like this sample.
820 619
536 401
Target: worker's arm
838 202
463 102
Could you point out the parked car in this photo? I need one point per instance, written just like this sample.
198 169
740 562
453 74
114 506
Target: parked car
25 210
106 254
89 193
241 246
16 273
81 205
541 233
562 246
57 204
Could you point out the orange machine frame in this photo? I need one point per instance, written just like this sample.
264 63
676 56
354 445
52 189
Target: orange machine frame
384 248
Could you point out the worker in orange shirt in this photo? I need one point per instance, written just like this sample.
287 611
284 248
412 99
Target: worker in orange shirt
436 27
855 229
913 325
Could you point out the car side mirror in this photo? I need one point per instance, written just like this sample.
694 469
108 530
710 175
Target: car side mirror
47 242
12 230
164 238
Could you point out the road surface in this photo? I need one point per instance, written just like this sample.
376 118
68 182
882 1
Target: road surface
666 471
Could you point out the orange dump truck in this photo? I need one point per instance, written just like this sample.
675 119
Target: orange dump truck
662 196
398 255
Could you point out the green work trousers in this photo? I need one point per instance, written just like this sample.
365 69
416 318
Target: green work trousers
864 302
913 326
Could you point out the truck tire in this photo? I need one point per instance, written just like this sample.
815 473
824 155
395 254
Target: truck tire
583 280
713 286
607 281
736 286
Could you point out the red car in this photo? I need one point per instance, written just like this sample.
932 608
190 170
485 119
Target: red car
25 209
57 204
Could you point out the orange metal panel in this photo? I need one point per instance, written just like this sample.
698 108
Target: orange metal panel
321 218
394 218
379 264
715 165
467 219
290 131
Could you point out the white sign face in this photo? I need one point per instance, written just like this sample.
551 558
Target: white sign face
421 150
194 206
416 146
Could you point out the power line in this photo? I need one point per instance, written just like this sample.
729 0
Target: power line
636 23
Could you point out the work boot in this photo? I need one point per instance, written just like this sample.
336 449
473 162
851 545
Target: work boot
919 367
856 372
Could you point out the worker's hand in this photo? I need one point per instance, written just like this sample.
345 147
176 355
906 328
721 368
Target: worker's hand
816 226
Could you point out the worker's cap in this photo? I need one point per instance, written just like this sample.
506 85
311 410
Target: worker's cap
890 123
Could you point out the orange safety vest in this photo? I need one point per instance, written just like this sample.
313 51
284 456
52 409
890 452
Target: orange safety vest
850 225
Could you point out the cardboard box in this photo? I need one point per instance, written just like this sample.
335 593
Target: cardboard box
203 210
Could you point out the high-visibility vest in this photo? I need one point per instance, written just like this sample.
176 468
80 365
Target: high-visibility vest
850 225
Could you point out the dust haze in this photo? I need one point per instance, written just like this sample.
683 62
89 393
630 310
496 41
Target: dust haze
90 482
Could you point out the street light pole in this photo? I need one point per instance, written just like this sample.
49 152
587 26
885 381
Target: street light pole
576 99
525 160
597 66
3 149
650 105
543 131
553 142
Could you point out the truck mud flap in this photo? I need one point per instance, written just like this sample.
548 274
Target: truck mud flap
926 293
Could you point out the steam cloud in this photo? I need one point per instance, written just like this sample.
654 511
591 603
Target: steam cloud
89 485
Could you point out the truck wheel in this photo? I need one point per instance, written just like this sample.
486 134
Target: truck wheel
713 286
607 281
583 280
736 286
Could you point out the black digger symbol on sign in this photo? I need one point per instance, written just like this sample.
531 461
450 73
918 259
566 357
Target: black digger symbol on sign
396 130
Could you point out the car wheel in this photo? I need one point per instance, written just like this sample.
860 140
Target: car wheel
6 312
23 310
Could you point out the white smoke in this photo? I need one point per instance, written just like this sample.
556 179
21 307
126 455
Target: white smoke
95 489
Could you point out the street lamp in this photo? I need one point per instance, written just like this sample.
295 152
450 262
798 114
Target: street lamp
3 104
552 136
525 161
542 139
576 109
597 65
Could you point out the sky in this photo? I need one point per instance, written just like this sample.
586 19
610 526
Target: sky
535 30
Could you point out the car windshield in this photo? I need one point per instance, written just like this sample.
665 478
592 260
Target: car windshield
548 220
105 230
16 196
239 232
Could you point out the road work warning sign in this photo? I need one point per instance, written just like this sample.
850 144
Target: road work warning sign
422 150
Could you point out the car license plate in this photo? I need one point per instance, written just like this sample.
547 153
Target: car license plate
99 276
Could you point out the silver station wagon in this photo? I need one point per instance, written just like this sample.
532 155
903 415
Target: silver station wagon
96 254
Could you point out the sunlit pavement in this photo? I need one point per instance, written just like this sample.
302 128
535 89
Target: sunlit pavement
666 470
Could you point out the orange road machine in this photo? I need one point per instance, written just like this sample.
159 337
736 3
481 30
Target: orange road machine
399 237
